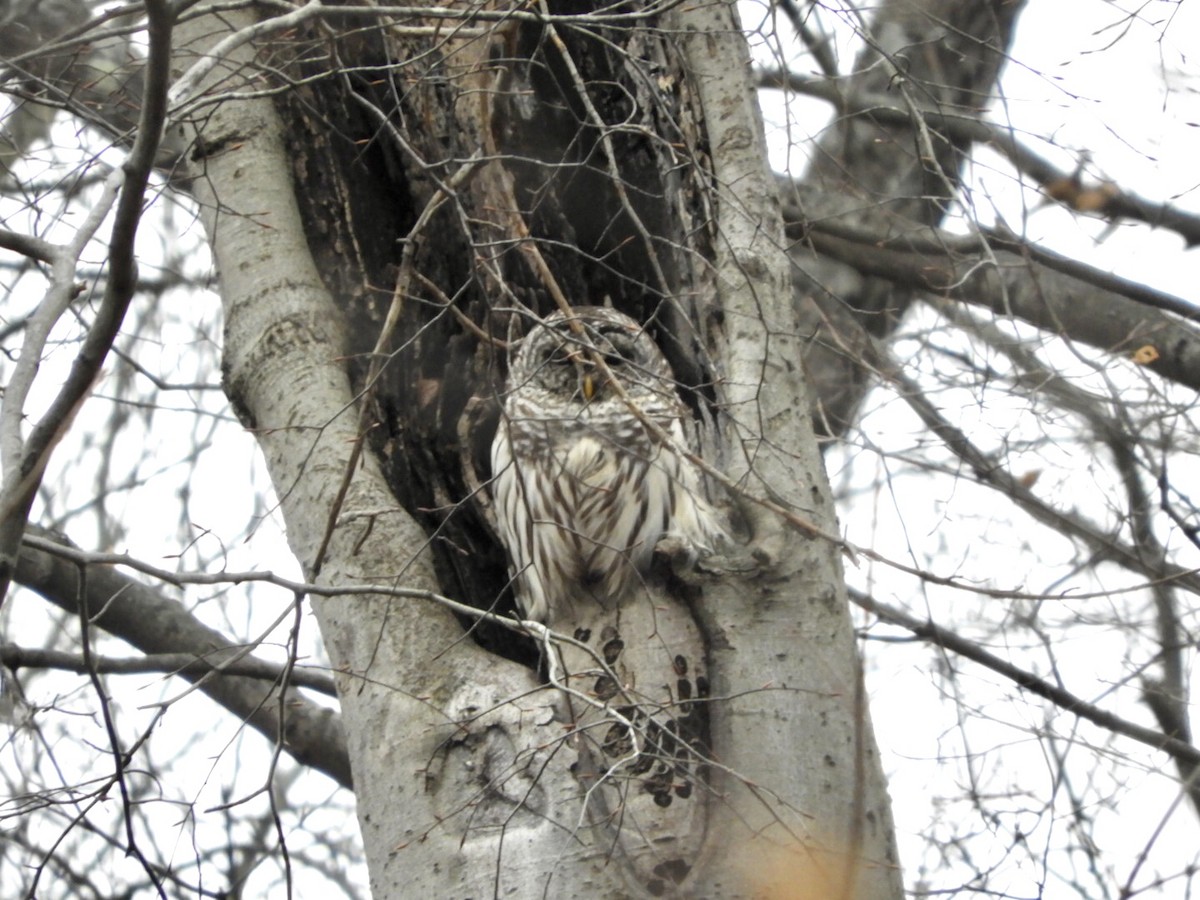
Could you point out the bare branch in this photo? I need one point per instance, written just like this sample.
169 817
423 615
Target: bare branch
1089 306
157 625
20 480
28 245
1179 750
15 657
966 125
990 472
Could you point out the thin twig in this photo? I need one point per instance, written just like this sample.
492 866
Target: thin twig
1064 699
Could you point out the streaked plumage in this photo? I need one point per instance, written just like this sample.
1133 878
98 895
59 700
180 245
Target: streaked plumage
583 491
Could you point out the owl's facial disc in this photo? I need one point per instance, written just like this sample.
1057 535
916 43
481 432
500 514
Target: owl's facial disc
567 361
593 380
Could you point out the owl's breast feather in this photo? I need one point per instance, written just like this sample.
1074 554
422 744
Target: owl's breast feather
587 461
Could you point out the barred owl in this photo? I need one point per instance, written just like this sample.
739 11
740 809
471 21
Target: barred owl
583 491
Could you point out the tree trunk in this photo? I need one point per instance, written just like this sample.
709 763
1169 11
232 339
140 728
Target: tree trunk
381 230
898 180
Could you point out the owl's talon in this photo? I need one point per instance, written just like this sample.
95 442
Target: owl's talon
698 566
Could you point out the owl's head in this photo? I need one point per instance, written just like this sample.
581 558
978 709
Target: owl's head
560 357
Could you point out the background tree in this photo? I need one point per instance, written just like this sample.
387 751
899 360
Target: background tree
390 195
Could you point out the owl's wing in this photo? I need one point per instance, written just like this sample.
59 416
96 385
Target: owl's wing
515 520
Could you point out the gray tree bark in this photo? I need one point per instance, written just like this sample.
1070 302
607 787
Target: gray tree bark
476 783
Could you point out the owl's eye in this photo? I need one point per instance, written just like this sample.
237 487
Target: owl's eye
618 349
558 355
624 350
